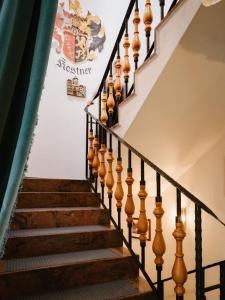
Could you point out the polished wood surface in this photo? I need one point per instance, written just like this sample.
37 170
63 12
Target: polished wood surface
119 187
142 224
102 167
110 100
95 162
90 155
158 246
179 272
110 177
129 207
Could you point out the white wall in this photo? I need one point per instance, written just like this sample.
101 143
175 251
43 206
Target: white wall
59 146
206 180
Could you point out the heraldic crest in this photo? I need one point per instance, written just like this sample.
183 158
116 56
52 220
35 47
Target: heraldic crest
77 34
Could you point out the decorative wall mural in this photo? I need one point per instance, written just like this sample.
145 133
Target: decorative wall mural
78 34
74 89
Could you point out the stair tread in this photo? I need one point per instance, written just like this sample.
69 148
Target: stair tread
54 260
119 289
86 208
58 230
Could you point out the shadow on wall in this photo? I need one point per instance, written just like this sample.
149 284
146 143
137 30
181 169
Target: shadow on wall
208 38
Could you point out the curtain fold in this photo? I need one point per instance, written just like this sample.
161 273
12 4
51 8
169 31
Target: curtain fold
25 38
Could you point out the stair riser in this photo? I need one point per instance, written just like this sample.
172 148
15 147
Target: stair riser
61 243
44 280
55 185
49 200
50 219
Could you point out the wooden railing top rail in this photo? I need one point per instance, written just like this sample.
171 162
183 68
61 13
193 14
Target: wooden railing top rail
177 185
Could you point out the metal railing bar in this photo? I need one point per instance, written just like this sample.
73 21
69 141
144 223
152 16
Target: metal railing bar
183 190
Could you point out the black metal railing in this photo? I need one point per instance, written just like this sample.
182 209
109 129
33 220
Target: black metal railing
106 136
127 85
203 289
102 142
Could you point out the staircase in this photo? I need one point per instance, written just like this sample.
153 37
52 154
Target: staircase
62 246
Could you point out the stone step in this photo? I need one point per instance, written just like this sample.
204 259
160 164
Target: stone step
41 274
126 289
57 199
54 185
31 218
37 242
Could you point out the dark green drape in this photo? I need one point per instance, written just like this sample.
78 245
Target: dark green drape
25 38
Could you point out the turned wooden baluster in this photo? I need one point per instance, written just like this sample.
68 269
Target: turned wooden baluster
129 207
147 19
179 272
119 188
142 221
95 162
136 41
117 84
90 155
104 115
159 246
102 167
109 177
126 63
110 100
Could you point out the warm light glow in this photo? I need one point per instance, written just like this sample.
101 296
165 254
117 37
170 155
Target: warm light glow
183 216
209 2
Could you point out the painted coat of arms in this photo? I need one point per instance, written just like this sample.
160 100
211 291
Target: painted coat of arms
79 35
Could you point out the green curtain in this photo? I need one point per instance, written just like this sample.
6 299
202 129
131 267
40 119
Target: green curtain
25 38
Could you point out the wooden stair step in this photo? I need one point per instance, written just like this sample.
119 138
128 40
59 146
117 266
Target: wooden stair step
129 289
45 273
54 185
36 242
57 199
30 218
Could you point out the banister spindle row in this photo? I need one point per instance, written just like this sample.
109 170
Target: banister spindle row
105 172
115 86
102 170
